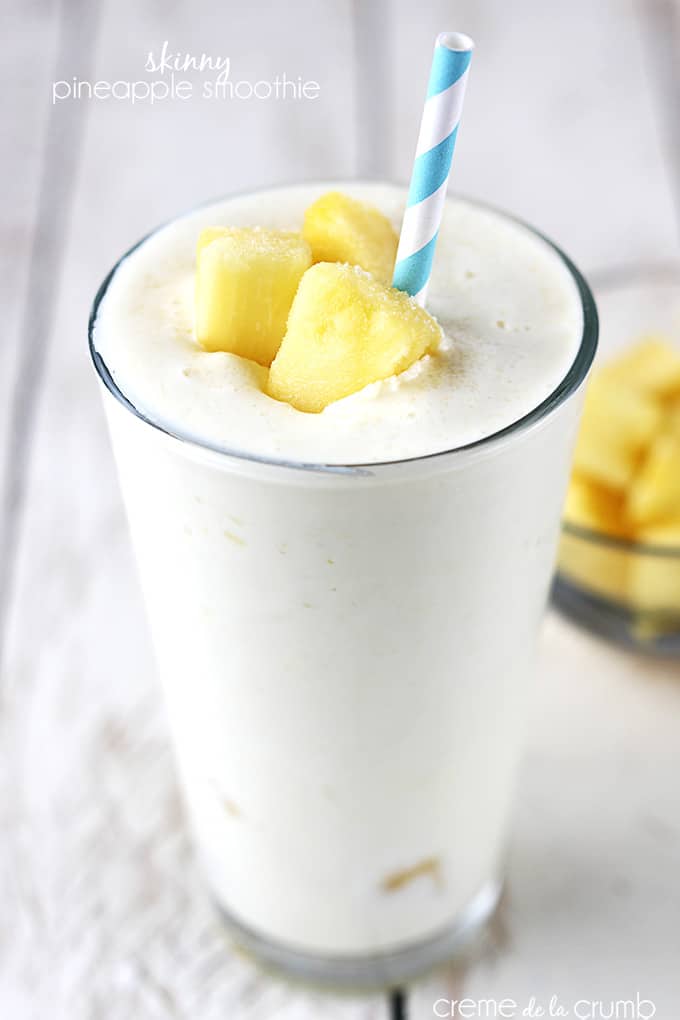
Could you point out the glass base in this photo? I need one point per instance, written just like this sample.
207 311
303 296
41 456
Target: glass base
653 633
378 970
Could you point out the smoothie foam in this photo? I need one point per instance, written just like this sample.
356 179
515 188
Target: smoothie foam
508 306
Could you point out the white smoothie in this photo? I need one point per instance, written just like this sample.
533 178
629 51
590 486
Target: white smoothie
347 653
508 306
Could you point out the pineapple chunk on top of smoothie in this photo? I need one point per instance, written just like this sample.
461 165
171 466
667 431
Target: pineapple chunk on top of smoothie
346 330
341 229
246 280
327 330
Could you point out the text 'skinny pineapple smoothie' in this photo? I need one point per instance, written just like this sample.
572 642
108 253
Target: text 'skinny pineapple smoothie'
345 593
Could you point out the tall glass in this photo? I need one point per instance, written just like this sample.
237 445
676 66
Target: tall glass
347 654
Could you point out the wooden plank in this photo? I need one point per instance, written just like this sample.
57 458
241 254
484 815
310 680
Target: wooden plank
24 74
37 157
27 130
660 24
373 88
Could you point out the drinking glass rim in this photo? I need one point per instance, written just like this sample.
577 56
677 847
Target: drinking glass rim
568 385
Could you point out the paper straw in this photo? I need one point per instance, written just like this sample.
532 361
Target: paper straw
430 178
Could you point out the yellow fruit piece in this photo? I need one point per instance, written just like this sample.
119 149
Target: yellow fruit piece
654 494
246 279
593 563
341 229
591 506
596 566
671 421
655 579
210 234
618 422
652 365
346 330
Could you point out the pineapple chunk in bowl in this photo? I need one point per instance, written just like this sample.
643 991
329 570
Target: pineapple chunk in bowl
619 560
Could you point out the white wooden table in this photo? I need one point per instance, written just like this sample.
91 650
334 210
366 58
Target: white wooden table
569 122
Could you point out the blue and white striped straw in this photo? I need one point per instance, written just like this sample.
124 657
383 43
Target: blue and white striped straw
430 178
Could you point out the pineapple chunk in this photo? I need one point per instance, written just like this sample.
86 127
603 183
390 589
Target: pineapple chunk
671 422
591 506
654 494
346 330
618 422
210 234
600 567
651 365
341 229
245 284
655 579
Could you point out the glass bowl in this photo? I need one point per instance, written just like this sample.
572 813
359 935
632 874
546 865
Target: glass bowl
622 589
